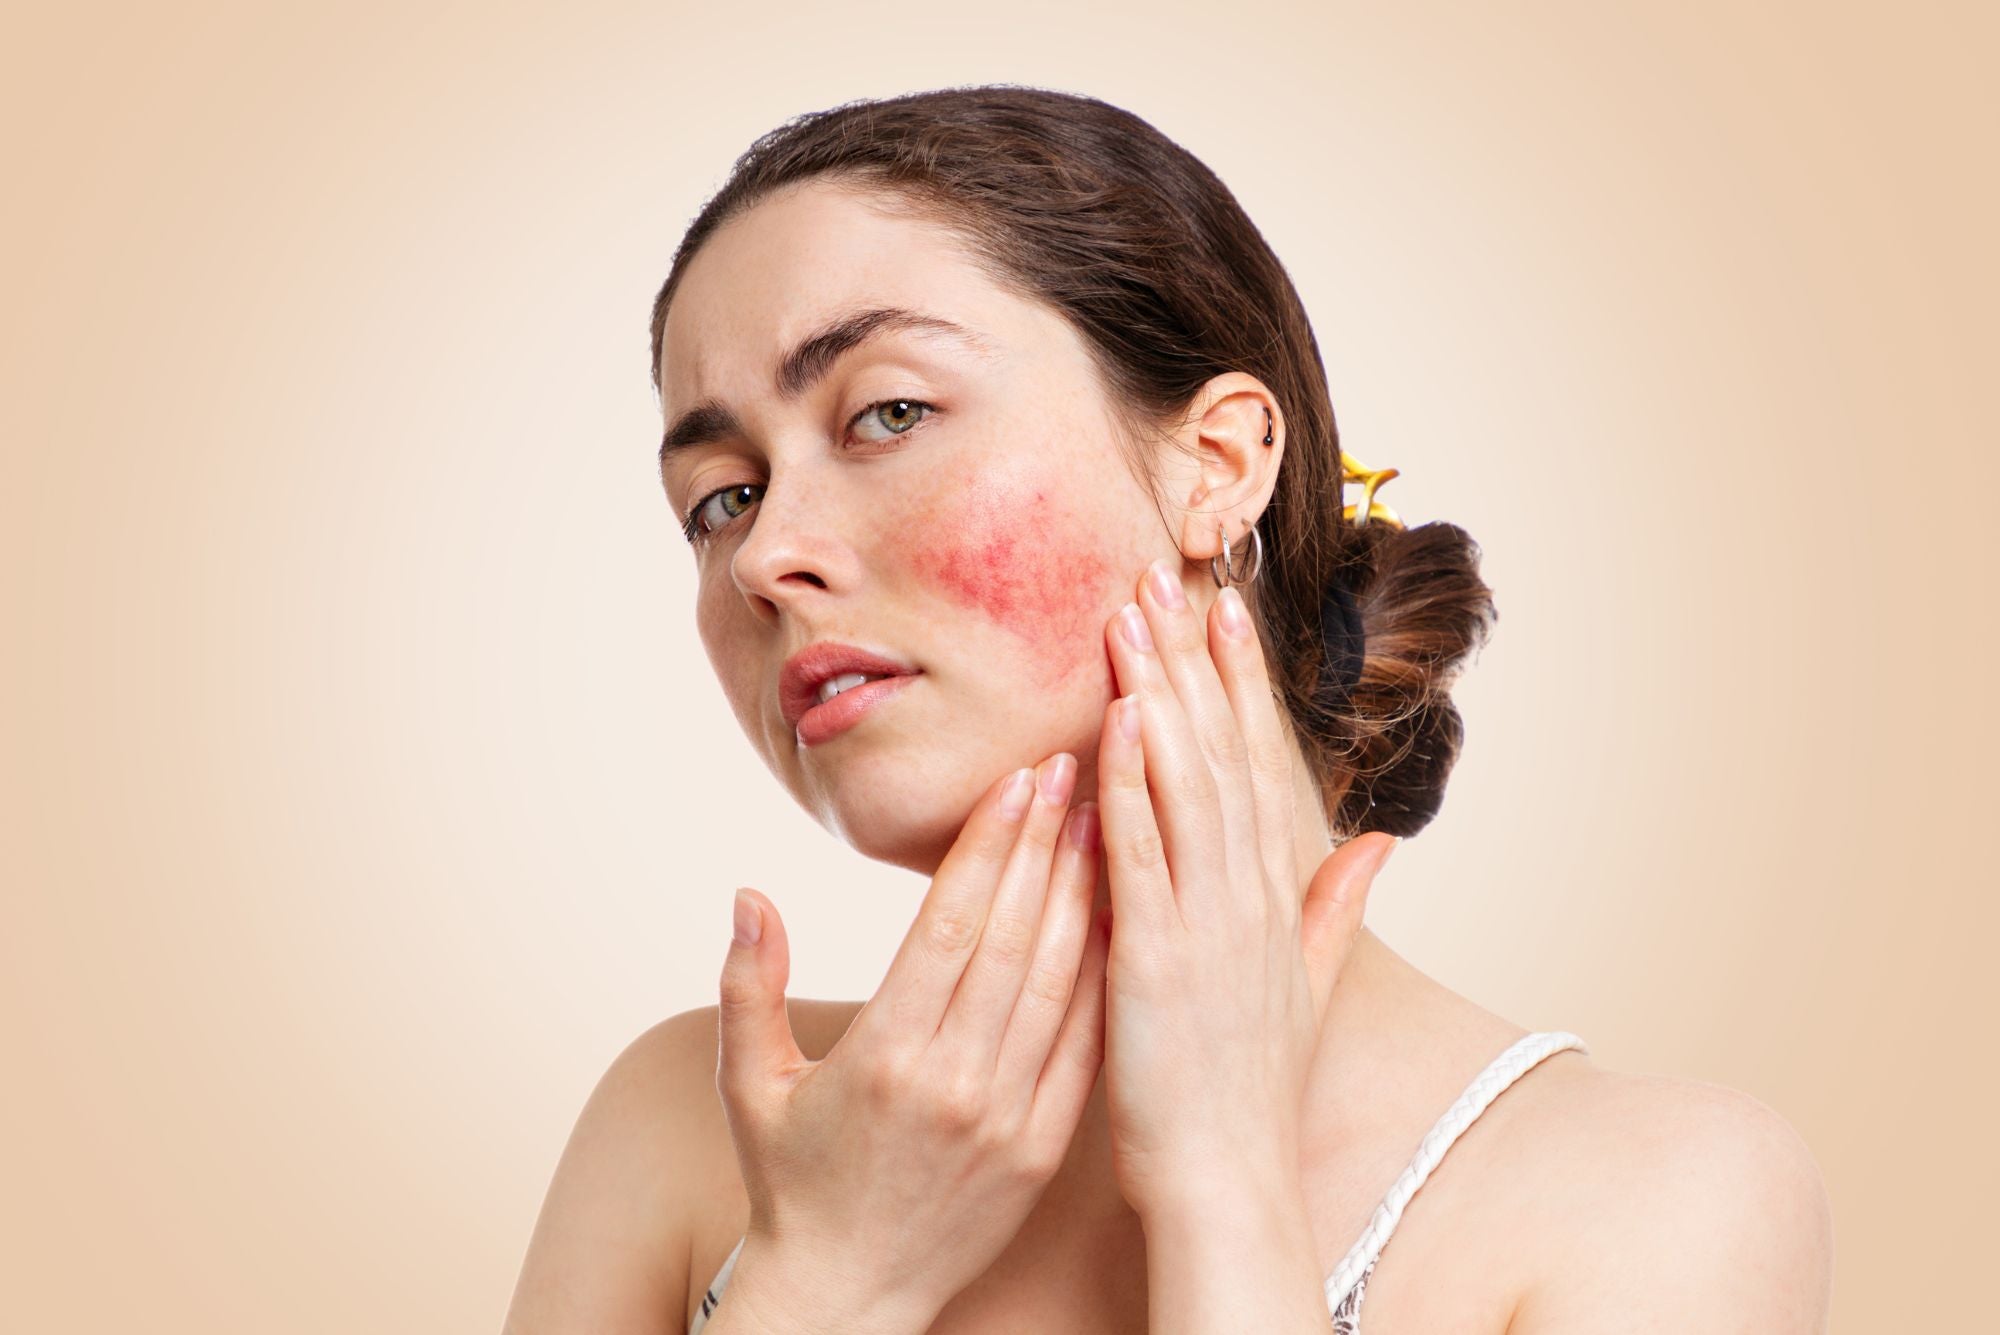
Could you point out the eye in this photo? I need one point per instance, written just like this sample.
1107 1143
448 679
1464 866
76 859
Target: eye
715 510
905 412
691 527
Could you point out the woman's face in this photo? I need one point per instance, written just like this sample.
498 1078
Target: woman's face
980 527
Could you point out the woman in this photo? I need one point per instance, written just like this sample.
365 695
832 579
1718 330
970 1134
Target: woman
990 406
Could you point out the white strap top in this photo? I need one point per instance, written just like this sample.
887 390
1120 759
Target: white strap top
1349 1280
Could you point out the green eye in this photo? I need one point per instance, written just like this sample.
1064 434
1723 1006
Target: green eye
691 527
906 415
900 416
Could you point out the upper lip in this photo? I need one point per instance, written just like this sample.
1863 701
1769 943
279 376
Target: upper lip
804 671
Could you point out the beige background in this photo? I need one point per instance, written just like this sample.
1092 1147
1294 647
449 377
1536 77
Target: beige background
365 786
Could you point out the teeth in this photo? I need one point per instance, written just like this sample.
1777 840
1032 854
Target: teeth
846 681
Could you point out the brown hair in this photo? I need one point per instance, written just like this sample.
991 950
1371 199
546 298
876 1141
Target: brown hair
1069 201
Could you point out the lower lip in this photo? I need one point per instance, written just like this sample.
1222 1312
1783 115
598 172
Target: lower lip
846 709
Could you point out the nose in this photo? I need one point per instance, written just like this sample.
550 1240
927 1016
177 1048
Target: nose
796 551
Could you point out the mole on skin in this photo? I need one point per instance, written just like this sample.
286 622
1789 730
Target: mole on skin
1005 553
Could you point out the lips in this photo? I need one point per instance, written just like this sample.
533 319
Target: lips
804 671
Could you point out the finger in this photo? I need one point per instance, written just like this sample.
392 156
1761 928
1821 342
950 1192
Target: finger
975 1020
755 1028
1051 981
1070 1074
1186 803
1142 888
911 1001
1240 662
1336 901
1181 634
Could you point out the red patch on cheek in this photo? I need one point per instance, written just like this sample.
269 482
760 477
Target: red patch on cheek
1026 566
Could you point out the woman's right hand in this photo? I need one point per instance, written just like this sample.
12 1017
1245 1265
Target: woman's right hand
890 1174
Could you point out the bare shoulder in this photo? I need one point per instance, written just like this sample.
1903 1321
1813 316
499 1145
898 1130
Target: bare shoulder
1631 1169
610 1249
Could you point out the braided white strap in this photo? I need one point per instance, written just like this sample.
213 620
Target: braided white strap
1500 1073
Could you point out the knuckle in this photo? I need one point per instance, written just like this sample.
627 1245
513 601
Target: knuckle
958 1102
1045 987
951 932
733 994
1005 942
1271 795
884 1079
1142 848
1228 749
1276 761
1196 780
994 1140
1129 783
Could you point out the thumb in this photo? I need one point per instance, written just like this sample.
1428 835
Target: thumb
756 1029
1336 898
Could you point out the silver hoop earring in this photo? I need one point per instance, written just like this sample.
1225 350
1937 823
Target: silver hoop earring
1226 576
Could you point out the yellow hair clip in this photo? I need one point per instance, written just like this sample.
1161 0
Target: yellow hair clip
1353 470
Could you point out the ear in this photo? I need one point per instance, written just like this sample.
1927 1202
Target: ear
1222 473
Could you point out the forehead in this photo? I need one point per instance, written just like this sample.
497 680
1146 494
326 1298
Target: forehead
797 259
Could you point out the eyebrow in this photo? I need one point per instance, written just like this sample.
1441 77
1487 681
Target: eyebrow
806 364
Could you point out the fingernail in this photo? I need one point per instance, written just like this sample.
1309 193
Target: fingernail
1014 797
1083 826
1235 617
1135 627
1058 777
1166 585
749 921
1128 718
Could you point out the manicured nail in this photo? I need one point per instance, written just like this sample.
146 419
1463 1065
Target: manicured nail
749 922
1235 617
1135 628
1058 777
1014 797
1166 585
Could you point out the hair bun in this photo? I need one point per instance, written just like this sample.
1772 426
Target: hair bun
1341 632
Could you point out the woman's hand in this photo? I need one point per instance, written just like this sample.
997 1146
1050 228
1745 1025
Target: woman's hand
887 1176
1219 973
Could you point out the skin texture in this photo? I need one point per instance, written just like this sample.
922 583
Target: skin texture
993 559
989 545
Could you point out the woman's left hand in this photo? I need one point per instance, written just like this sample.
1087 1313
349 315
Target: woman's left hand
1219 970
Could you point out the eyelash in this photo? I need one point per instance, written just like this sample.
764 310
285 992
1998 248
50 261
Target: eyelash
698 539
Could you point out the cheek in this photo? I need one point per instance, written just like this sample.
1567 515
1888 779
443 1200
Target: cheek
729 639
1005 550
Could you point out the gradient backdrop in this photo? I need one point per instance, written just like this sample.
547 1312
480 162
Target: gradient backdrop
366 789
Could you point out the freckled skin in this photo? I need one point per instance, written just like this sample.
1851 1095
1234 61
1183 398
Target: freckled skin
1003 551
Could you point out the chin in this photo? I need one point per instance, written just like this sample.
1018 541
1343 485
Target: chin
899 800
914 834
898 789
